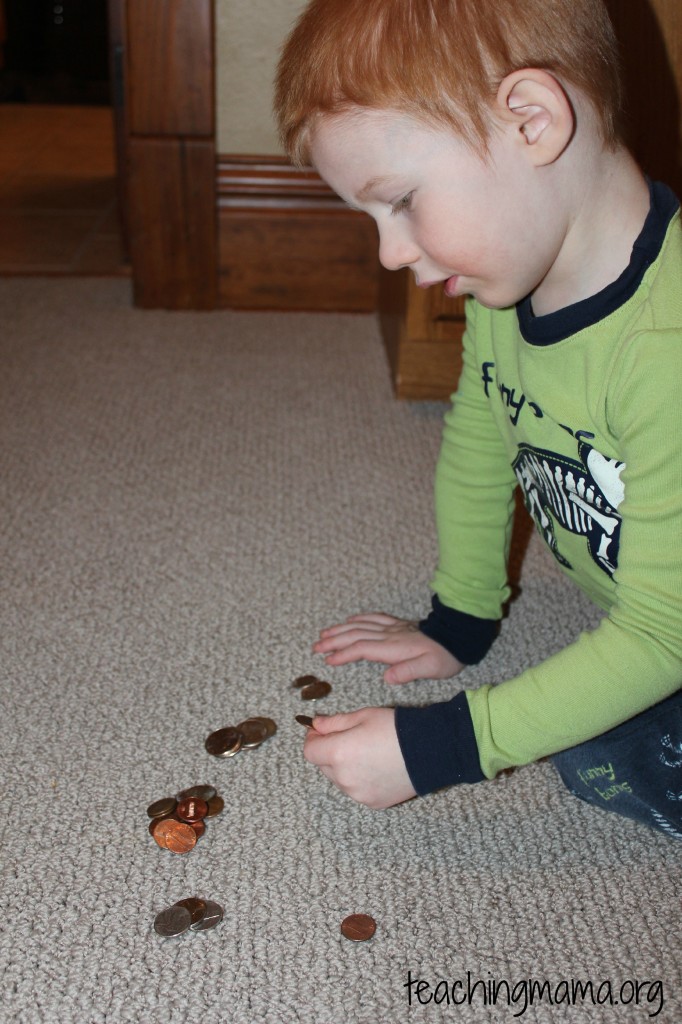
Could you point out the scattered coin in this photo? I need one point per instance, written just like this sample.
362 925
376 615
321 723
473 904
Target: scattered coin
304 720
161 829
202 792
191 913
358 927
212 916
179 837
196 907
172 921
270 726
224 742
214 806
248 734
161 808
192 809
303 681
252 732
199 826
316 690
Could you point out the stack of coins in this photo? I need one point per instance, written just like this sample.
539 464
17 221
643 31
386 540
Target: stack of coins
311 687
229 740
178 822
189 914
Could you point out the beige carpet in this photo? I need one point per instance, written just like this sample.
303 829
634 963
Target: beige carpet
186 500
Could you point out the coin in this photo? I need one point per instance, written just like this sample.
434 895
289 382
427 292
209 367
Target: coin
304 720
252 732
313 691
179 837
172 921
214 806
196 907
358 927
191 809
203 792
161 808
199 827
304 681
159 829
213 915
270 726
224 742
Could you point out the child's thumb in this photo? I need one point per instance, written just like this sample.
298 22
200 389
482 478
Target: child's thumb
326 724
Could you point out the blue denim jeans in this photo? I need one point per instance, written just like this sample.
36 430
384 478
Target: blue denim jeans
635 769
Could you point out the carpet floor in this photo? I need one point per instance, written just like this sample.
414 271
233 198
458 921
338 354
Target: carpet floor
187 498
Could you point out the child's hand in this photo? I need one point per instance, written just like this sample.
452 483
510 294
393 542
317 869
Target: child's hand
359 752
395 642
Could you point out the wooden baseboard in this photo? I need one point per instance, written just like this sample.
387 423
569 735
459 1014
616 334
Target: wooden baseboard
287 242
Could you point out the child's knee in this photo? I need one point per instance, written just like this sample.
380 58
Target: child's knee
634 770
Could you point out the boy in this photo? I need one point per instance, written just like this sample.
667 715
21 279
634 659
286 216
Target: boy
483 138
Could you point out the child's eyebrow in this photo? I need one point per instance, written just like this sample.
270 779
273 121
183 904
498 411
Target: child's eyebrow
370 185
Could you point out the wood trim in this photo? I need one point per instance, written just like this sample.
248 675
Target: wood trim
286 241
171 57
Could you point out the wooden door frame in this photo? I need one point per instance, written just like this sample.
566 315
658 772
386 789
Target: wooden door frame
165 143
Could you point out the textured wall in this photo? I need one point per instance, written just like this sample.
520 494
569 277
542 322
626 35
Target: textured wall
249 34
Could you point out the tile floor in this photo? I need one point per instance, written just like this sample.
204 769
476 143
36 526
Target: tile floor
58 207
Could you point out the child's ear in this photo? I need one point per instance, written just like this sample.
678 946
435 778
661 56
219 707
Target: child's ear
535 106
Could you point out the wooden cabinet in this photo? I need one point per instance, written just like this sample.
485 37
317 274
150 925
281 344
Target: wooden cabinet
422 330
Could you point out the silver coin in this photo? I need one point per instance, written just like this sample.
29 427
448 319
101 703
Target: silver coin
172 921
201 792
213 915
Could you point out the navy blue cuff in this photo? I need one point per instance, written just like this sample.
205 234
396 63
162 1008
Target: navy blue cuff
466 637
438 744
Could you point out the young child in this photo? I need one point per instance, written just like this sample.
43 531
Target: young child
484 139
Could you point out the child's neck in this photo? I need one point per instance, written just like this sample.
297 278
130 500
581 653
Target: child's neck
609 208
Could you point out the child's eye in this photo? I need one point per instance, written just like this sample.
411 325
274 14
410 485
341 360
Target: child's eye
403 205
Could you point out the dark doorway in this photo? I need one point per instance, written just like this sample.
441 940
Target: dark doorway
55 51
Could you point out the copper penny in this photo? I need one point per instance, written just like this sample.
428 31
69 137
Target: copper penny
203 792
358 927
172 921
213 915
180 837
304 720
159 828
191 809
196 907
199 827
303 681
313 691
224 742
215 806
253 733
270 726
161 808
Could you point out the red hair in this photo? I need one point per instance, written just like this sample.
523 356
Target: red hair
441 61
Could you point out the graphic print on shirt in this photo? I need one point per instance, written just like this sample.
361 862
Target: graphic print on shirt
582 496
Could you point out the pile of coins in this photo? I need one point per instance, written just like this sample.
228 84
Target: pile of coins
311 687
189 914
247 735
178 822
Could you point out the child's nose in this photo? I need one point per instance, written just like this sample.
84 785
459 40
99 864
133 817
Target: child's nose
396 251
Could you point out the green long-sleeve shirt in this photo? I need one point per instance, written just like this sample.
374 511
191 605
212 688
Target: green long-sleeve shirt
582 409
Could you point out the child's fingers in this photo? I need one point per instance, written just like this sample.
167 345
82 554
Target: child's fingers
326 724
408 671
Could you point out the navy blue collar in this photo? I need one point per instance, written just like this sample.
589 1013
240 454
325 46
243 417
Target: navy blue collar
553 327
